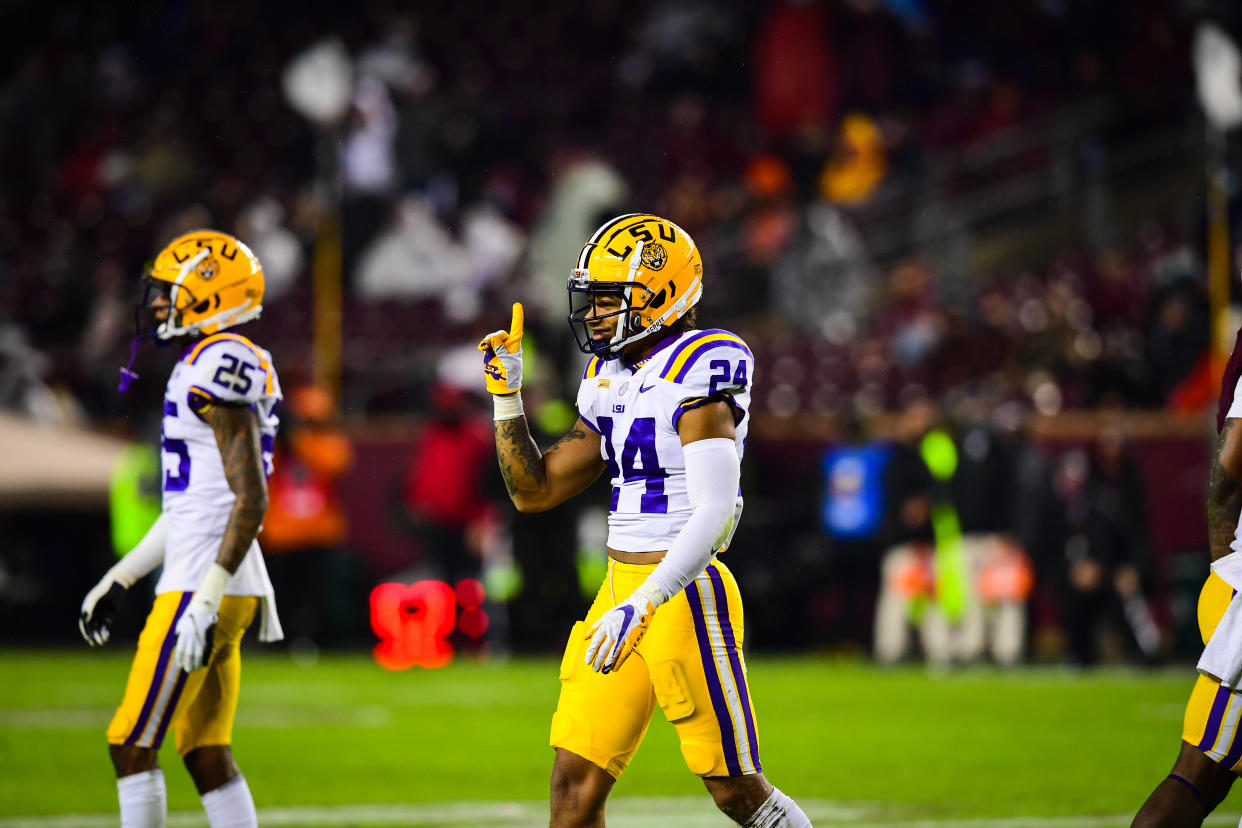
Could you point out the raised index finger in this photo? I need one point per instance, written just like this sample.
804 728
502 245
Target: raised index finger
519 318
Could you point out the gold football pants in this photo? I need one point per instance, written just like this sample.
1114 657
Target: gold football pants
199 705
689 663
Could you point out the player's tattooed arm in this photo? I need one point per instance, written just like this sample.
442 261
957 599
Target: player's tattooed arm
1224 497
574 434
538 481
237 434
521 464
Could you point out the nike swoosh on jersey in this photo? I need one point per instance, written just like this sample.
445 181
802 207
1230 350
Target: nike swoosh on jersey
644 388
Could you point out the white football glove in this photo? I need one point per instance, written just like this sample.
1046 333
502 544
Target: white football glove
617 632
502 356
197 625
195 630
99 609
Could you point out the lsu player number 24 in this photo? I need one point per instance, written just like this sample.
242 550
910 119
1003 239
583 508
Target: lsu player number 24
663 409
219 424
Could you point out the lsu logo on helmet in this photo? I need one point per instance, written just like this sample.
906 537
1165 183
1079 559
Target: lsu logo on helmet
655 256
650 263
208 269
213 282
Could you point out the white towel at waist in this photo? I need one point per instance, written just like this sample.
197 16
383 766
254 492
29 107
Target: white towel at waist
269 622
1222 657
1229 568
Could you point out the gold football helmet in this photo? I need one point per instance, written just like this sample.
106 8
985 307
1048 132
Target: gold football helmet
213 282
650 263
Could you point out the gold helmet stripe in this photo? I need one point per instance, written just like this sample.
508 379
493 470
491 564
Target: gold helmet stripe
585 255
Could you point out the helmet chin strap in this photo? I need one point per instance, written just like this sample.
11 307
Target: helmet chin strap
128 375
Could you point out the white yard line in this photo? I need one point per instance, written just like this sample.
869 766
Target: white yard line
624 812
250 718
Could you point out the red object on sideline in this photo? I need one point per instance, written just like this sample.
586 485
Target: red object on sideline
444 482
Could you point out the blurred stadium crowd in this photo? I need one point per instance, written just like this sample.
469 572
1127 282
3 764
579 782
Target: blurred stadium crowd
914 211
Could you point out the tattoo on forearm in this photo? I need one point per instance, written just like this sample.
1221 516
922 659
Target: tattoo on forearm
237 434
521 465
1224 501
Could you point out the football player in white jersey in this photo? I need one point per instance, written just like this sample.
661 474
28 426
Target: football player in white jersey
218 431
1209 758
663 408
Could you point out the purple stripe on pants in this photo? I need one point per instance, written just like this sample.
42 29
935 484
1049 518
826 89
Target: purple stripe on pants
735 663
1213 723
713 682
162 730
161 666
1235 751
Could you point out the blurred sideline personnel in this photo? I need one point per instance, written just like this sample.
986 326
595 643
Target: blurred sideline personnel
907 569
305 529
988 492
663 407
218 430
442 498
955 572
1211 751
1106 549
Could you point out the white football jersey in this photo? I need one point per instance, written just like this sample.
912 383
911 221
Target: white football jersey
1229 567
226 368
636 409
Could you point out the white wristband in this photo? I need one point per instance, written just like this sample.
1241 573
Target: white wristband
507 406
652 592
211 589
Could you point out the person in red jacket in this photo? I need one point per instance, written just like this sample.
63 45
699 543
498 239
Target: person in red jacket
442 494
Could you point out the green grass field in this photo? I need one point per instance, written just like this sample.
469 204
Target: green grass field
346 743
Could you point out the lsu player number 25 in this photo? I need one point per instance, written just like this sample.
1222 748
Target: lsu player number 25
662 409
219 424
